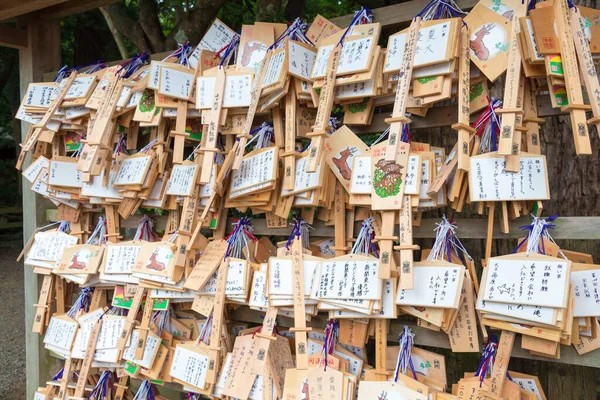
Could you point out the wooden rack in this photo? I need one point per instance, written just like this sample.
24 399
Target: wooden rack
37 38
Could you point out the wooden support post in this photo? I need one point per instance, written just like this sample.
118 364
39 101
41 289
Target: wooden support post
214 352
511 88
398 118
531 120
505 346
265 337
254 98
213 127
464 89
179 132
42 306
130 321
576 108
41 55
59 295
386 244
381 331
324 111
406 240
490 230
513 161
339 208
87 361
300 330
64 381
144 327
121 387
289 155
587 67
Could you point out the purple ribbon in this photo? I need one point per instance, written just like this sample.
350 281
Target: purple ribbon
362 16
332 330
488 357
296 231
542 249
134 64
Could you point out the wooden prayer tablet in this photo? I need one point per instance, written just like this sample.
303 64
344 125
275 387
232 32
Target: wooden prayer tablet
39 95
434 45
63 172
81 87
96 188
489 40
48 247
257 172
340 150
182 179
352 277
184 355
61 332
502 311
156 258
301 58
133 170
368 390
304 180
216 37
237 91
80 259
544 280
436 284
361 180
176 81
489 180
586 293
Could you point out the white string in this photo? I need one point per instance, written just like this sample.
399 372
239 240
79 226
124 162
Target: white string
538 233
149 145
380 138
444 233
407 340
363 240
98 236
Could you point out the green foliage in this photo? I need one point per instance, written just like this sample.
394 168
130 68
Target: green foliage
329 8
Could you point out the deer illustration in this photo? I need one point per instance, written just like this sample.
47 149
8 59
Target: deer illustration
391 172
249 48
153 263
342 164
75 263
305 390
478 46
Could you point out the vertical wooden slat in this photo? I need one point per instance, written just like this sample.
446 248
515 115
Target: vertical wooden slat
41 55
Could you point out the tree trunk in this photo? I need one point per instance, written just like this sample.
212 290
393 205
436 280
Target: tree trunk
129 27
267 10
115 33
294 9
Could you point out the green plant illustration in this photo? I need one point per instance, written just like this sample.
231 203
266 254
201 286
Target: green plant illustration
423 81
476 91
358 107
147 101
502 46
386 191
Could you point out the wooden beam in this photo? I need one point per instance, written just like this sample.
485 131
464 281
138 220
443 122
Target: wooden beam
15 8
577 228
71 7
398 14
427 337
15 38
